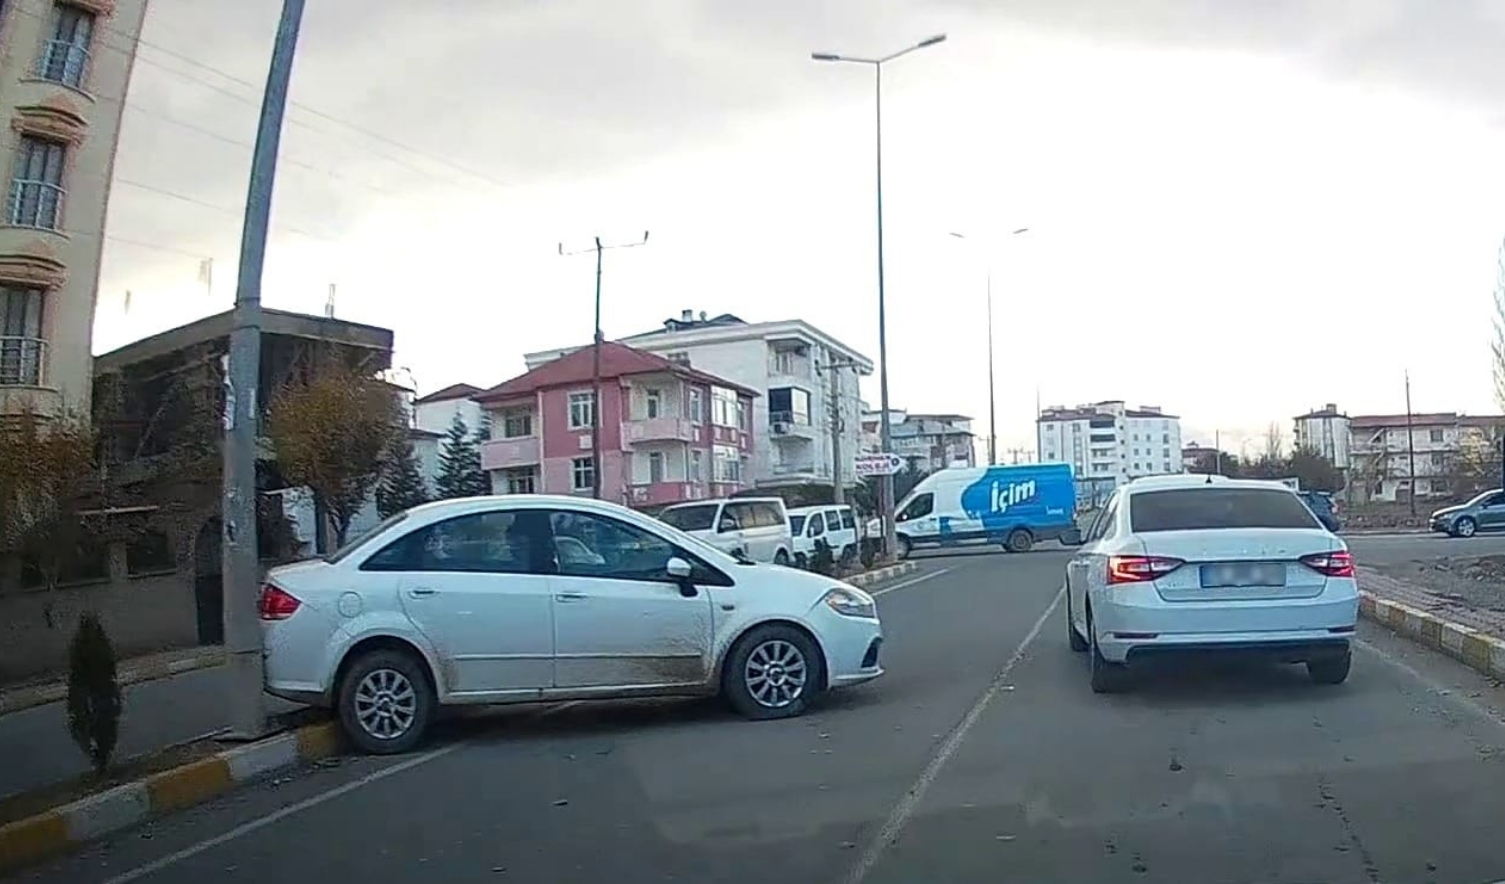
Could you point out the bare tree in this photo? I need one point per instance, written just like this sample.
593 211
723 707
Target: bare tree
1275 443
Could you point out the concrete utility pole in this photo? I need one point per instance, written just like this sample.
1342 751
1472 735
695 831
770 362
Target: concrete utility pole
598 248
241 565
838 423
1410 446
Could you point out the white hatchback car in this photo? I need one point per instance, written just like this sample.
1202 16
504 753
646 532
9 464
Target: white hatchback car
533 598
1178 564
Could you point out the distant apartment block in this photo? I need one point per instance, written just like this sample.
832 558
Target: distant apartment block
792 366
61 88
1108 442
433 415
669 432
1197 458
927 442
1325 431
1386 455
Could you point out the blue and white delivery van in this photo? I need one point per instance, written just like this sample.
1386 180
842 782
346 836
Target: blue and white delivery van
1016 506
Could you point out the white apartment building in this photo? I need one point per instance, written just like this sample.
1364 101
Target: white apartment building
1381 447
62 88
1325 431
1107 442
432 416
793 365
927 442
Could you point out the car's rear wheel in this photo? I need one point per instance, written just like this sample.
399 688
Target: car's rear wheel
1465 527
385 702
1019 541
774 671
902 547
1330 670
781 558
1073 638
1107 678
801 561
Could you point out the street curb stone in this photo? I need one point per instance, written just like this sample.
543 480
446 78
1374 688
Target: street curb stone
870 577
17 699
1474 649
62 828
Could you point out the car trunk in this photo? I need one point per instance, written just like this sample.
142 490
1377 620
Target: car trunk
1239 563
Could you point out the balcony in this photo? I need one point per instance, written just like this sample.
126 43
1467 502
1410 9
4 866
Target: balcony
23 378
501 454
787 425
800 470
658 429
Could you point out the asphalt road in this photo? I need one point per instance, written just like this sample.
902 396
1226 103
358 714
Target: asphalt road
1392 549
982 756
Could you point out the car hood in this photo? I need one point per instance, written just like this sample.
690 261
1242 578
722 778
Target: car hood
1447 511
798 581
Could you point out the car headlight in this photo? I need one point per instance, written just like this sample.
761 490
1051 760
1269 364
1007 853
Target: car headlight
850 602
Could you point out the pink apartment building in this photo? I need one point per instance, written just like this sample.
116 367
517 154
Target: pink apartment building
668 432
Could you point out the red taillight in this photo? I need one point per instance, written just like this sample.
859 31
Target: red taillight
276 603
1333 564
1138 569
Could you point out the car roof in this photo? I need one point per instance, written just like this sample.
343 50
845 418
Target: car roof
817 508
1199 480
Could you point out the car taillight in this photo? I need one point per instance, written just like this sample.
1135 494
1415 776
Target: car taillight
1333 564
277 603
1138 569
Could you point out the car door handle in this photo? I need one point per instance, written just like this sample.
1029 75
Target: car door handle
421 591
570 596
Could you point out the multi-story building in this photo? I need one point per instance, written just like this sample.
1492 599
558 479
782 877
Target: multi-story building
1325 431
1108 443
806 380
927 442
62 86
434 414
668 432
1387 452
1197 458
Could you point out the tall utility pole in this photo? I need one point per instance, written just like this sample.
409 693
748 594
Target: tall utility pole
1410 445
241 565
992 396
598 248
886 486
838 422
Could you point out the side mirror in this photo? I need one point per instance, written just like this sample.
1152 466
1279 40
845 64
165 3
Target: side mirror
725 526
679 569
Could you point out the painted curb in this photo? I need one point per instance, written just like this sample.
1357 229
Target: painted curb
57 830
1474 649
868 578
30 696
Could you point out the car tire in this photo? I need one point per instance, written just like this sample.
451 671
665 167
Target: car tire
1107 678
1330 670
385 702
781 558
1019 541
901 547
801 561
1073 638
772 651
1465 527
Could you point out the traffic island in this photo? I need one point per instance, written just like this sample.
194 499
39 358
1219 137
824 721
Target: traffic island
52 821
881 574
1441 619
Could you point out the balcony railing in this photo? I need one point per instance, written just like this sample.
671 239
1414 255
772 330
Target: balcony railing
790 425
23 362
501 454
36 204
63 61
658 429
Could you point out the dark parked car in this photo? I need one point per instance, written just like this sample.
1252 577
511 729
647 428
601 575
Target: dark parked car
1323 506
1486 512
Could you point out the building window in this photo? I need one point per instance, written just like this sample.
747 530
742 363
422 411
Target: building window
655 467
726 464
789 405
582 410
655 403
65 56
520 480
517 424
21 344
583 474
697 465
1435 435
696 409
36 191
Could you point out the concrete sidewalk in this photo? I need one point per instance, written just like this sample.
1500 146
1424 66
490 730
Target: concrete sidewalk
169 699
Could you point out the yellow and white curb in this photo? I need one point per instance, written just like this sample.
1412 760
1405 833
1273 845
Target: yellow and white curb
57 830
1472 648
868 578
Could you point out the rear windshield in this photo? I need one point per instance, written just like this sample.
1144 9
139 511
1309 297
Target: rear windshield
1188 509
690 518
796 525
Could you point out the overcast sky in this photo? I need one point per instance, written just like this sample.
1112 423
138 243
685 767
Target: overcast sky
1237 210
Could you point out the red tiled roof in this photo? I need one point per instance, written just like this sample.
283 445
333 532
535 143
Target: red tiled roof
1380 421
617 361
453 391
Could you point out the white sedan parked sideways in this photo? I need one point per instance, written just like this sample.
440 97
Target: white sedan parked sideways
530 598
1177 565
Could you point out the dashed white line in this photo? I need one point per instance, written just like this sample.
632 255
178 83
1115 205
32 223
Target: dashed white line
904 810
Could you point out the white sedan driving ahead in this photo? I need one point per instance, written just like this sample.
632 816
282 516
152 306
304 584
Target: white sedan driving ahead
1177 565
531 598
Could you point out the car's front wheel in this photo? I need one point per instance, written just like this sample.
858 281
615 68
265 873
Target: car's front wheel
1330 670
1465 527
385 702
773 671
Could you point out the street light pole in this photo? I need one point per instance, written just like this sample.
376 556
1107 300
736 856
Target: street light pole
885 429
241 566
992 397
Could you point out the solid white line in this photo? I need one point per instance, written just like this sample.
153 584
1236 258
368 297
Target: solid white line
161 863
911 582
907 805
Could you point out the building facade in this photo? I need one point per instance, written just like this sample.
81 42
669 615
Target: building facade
669 433
1325 431
927 442
806 381
1392 458
62 86
1109 443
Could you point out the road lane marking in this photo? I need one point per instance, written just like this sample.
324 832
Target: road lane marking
904 810
161 863
911 582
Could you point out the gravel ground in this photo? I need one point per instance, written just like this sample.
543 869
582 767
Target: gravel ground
1476 581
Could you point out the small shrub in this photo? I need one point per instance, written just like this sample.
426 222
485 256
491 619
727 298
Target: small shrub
822 561
94 702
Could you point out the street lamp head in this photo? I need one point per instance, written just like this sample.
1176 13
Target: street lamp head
958 235
931 41
825 56
1020 230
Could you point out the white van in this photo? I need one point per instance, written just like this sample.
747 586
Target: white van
756 527
836 525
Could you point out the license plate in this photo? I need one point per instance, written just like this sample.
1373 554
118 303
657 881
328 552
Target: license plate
1240 574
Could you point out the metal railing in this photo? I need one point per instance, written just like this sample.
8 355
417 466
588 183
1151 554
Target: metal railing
63 61
789 417
36 204
23 362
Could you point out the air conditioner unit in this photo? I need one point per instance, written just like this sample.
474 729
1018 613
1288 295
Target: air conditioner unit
782 429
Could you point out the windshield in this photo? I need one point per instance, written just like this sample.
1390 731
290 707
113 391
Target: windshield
796 525
1191 509
364 538
690 518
